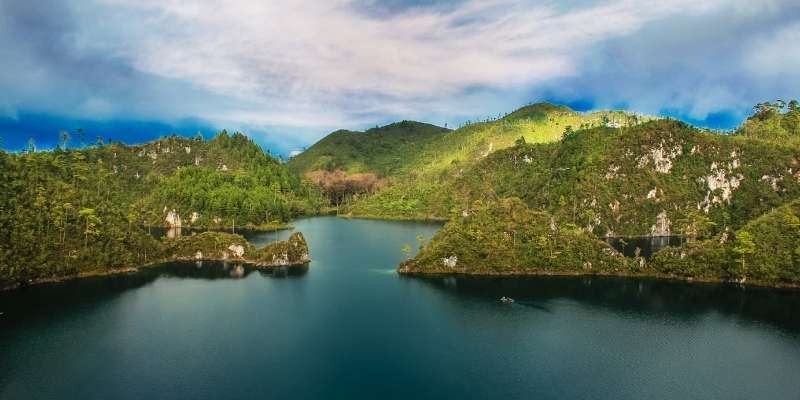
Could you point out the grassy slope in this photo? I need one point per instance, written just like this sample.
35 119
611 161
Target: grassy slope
422 189
381 150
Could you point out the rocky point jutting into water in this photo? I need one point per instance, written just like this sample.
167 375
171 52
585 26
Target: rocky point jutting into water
219 246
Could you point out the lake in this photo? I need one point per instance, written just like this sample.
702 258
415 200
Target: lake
349 327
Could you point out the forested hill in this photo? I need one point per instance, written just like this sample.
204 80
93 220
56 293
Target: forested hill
420 189
734 197
659 178
381 150
74 210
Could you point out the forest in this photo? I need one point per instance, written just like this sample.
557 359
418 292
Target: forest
584 176
732 196
87 210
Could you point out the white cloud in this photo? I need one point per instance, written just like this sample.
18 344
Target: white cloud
307 63
300 68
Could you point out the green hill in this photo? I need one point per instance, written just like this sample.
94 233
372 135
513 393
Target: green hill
765 250
381 150
658 178
66 212
540 208
776 121
421 189
506 237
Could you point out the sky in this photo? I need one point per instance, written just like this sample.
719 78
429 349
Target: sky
289 72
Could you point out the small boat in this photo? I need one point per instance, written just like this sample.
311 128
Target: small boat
506 300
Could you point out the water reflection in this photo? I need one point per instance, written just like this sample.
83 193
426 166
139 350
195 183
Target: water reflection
37 301
643 297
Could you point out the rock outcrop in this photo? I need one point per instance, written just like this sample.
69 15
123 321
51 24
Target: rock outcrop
220 246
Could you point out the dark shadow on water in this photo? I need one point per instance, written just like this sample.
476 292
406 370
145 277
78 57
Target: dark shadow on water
635 296
286 272
46 300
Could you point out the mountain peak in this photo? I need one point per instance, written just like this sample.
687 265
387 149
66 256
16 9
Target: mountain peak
538 110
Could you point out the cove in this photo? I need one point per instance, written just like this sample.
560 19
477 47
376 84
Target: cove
349 327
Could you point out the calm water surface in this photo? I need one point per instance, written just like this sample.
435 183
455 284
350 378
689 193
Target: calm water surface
349 327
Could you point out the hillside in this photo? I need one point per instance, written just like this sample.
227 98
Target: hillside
541 209
778 121
380 150
70 211
506 237
658 178
765 250
423 188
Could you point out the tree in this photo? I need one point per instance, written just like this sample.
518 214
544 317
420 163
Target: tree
420 241
697 224
91 220
406 249
794 106
744 247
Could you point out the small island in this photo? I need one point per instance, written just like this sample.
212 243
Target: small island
220 246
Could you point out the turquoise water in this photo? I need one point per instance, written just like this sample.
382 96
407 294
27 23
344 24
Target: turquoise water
349 327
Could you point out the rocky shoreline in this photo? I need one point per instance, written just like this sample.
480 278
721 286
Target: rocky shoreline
207 246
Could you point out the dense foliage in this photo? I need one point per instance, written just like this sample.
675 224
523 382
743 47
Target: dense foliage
733 197
765 250
422 189
658 178
227 246
506 237
776 121
380 150
72 211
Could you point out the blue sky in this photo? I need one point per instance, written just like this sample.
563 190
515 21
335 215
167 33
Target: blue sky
289 72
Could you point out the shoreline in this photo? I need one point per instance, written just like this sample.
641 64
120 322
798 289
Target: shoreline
533 274
393 218
79 275
227 229
133 270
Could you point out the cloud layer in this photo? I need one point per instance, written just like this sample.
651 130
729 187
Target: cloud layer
294 70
